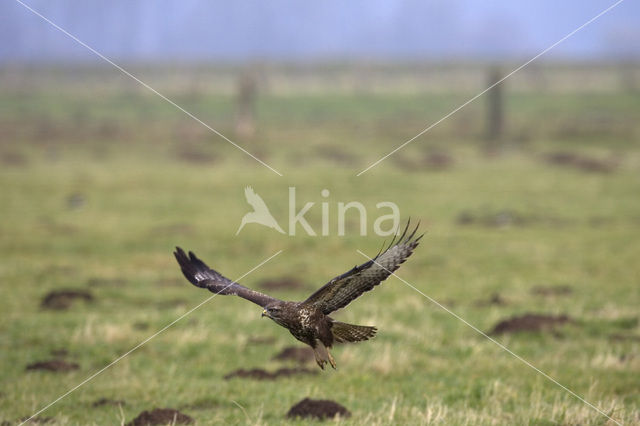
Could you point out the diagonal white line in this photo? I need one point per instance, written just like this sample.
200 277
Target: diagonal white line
145 341
127 73
518 357
590 21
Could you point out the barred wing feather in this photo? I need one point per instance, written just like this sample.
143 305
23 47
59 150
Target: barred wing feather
343 289
200 275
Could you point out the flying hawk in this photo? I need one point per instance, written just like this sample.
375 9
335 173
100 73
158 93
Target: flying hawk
309 320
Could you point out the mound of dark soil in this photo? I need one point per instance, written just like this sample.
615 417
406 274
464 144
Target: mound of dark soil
106 401
63 299
297 354
318 408
529 322
430 161
76 200
437 160
624 337
13 159
53 365
161 416
494 300
584 163
281 283
336 155
194 153
260 374
141 325
561 290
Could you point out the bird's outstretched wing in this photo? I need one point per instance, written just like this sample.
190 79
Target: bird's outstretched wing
341 290
255 200
200 275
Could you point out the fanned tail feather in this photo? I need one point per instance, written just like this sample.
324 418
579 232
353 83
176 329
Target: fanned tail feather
343 333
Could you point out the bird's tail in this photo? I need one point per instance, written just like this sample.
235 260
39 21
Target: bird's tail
343 333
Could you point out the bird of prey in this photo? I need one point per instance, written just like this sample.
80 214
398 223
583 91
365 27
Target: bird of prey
260 213
309 320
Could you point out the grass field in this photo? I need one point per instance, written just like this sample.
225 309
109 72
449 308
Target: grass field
99 186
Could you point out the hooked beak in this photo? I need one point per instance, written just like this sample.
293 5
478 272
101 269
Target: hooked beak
264 313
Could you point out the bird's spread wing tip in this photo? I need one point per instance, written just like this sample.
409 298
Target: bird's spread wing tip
341 290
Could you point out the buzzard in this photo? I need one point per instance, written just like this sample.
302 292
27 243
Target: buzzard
309 320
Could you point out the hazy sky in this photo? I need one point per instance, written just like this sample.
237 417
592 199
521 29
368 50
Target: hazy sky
328 29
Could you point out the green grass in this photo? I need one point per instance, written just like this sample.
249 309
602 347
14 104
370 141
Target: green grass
142 198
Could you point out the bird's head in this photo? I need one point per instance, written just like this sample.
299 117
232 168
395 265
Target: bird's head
274 312
271 311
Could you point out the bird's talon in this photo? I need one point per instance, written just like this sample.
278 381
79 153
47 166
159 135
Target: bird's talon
331 360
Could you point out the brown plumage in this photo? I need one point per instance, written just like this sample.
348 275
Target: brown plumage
309 321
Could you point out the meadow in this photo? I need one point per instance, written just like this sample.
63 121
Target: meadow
100 183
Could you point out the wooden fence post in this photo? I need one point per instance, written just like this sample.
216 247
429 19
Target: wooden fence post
494 126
